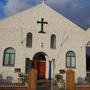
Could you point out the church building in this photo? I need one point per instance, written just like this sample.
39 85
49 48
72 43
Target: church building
43 39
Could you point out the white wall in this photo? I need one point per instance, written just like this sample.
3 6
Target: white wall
10 36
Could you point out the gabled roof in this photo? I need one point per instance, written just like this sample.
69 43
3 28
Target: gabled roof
42 10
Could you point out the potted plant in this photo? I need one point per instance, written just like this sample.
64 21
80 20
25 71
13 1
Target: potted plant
23 77
60 81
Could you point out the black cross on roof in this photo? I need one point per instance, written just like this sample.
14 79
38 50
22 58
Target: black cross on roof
42 22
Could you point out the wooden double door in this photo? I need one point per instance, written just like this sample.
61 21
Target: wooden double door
40 66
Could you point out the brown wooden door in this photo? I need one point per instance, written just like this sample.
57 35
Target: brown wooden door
41 69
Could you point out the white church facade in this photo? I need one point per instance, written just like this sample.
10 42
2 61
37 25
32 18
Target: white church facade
41 38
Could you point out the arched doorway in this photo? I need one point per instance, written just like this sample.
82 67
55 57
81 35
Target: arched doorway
39 63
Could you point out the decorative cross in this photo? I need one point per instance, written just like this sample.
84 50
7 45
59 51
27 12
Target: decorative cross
42 22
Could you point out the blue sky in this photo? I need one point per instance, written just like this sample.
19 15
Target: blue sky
77 11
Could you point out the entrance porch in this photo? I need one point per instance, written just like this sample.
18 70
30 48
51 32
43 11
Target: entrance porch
41 63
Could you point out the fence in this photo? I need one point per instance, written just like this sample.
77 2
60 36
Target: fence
31 85
13 88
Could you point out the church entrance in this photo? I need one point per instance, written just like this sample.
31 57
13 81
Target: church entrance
39 63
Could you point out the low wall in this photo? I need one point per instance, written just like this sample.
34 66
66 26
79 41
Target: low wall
12 88
70 82
82 87
32 79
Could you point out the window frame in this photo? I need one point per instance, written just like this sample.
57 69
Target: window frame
9 58
53 41
71 66
29 39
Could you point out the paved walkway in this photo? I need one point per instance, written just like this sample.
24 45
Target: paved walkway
46 85
43 85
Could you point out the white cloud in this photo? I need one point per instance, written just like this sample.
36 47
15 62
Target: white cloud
63 3
14 6
71 8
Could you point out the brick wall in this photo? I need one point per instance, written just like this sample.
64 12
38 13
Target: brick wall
32 79
82 87
13 88
70 82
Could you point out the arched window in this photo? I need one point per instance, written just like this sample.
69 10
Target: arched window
70 59
29 40
53 41
9 57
